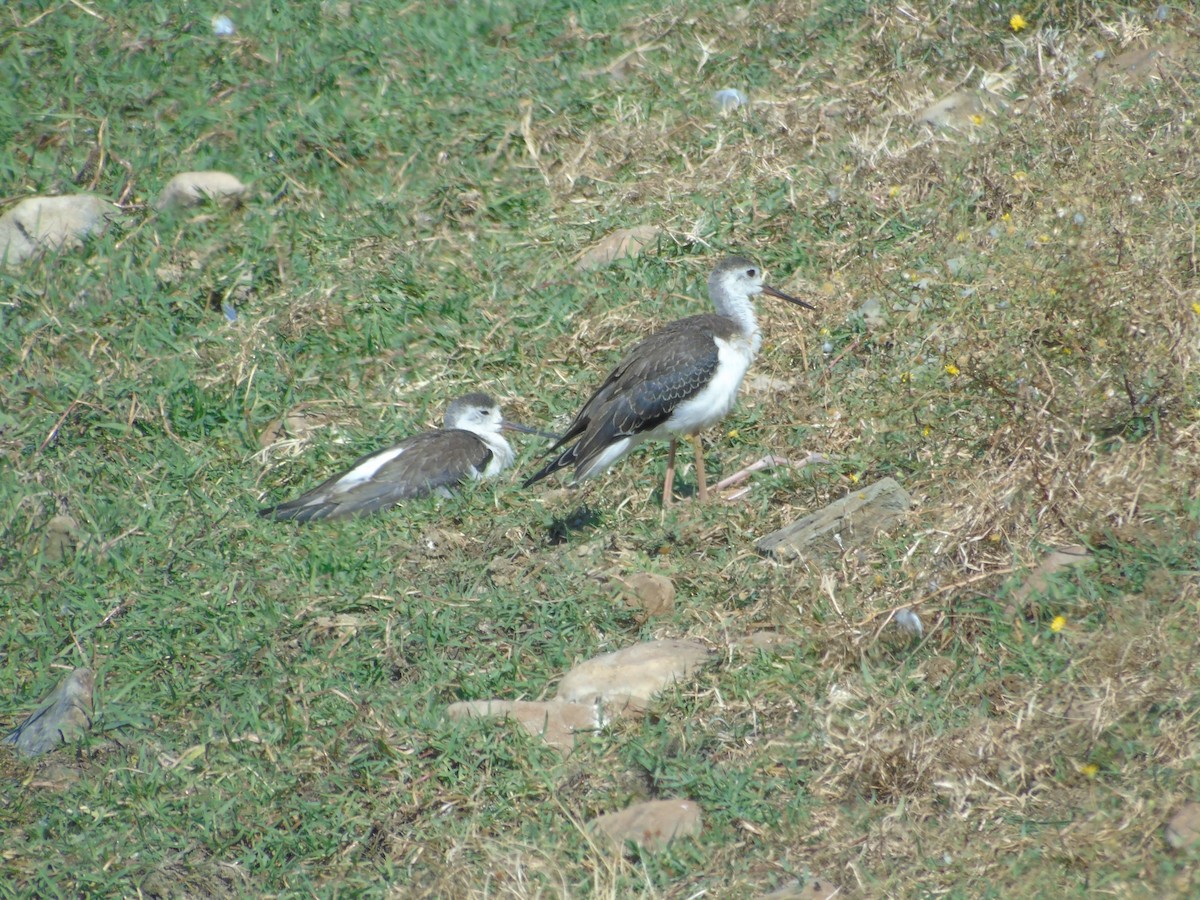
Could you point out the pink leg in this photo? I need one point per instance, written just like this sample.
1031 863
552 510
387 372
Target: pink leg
701 480
670 476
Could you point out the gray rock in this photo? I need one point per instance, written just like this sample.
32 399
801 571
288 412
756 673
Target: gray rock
59 719
846 522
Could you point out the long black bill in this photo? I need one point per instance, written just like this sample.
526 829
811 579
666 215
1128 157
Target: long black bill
767 289
525 429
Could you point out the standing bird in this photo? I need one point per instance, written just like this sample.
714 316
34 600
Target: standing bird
468 446
677 382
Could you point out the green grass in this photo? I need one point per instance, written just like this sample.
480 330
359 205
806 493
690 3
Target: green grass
270 700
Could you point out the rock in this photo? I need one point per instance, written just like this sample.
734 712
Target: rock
651 825
193 188
652 594
61 538
627 680
873 314
1135 66
554 721
299 423
729 99
1039 578
812 889
960 109
48 223
1184 828
619 244
851 520
59 719
767 384
767 641
907 620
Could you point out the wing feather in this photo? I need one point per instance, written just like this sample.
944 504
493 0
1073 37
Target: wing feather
426 462
642 391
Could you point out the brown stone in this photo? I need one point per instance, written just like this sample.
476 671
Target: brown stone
628 679
651 825
1184 828
617 245
554 721
652 594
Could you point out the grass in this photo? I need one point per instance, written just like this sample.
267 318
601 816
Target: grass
270 699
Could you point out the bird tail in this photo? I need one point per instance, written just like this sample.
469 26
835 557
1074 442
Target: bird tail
564 459
299 512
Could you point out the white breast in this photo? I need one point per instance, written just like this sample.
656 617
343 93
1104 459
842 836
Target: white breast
716 399
502 456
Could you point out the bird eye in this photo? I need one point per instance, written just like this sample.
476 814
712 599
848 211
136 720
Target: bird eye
750 273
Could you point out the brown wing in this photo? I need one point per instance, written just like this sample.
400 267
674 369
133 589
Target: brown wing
417 466
667 368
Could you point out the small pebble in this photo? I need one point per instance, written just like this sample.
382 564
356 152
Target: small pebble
1162 13
827 347
222 26
907 620
729 99
230 312
1078 218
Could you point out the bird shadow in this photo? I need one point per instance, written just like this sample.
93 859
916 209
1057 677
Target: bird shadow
560 529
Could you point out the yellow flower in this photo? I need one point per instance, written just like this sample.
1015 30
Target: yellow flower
1196 308
1020 176
1007 217
976 119
926 431
1091 770
853 478
951 369
894 190
732 433
1017 22
1059 623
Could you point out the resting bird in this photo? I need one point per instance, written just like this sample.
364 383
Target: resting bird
468 446
677 382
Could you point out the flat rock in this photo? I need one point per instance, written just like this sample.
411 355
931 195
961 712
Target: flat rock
59 719
617 245
651 825
193 188
1134 66
300 423
60 538
767 641
959 110
844 523
812 889
1184 828
627 680
653 595
48 223
554 721
768 384
1039 579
